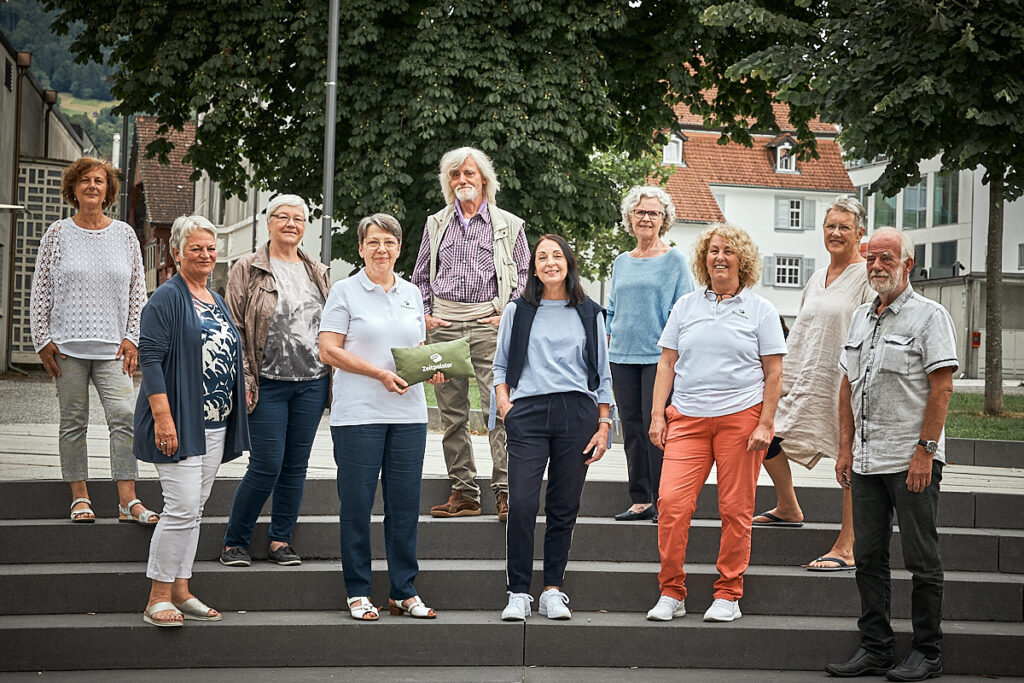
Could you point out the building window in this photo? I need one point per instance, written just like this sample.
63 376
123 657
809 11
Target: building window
945 198
918 273
787 271
794 213
862 196
1020 257
943 260
9 75
915 199
885 212
785 160
673 151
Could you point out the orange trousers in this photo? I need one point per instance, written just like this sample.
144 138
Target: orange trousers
693 444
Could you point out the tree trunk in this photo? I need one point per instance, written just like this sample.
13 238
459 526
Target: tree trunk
994 298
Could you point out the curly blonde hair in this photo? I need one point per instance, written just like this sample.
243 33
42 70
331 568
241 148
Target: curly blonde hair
744 248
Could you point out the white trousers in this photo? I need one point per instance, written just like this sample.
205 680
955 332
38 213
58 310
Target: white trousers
186 486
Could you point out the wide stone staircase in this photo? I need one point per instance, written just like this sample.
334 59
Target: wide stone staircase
72 594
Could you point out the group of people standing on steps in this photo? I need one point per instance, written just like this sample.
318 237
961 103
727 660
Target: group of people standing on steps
700 376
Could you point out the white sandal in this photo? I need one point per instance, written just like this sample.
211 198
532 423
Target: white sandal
76 515
415 609
125 516
362 609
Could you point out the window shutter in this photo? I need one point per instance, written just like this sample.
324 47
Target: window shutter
808 214
807 270
768 276
781 214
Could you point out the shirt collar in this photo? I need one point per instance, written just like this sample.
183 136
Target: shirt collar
369 285
482 212
896 305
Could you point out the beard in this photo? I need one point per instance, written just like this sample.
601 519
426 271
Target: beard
466 194
891 282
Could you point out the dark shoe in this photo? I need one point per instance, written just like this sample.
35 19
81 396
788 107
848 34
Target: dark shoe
630 516
284 556
916 667
501 503
235 557
458 505
863 663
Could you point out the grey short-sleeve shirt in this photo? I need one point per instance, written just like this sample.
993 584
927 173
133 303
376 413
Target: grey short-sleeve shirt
291 352
887 359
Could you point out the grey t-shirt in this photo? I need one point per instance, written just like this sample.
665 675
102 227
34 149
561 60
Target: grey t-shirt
291 352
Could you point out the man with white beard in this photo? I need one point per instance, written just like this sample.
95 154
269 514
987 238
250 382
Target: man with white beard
473 260
897 365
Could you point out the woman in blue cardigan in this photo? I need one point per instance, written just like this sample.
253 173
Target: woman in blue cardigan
554 391
190 415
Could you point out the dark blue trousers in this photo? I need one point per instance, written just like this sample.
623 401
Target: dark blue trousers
394 452
545 432
282 427
875 497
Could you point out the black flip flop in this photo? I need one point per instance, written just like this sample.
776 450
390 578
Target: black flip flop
776 521
843 566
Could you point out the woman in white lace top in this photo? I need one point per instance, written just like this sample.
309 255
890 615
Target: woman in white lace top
87 297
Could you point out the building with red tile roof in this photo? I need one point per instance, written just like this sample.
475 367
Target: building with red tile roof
158 194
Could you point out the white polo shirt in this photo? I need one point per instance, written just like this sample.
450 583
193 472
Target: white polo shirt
373 322
720 345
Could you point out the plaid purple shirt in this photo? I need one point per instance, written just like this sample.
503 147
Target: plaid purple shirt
465 261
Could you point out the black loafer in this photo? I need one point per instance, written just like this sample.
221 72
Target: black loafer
630 516
284 556
916 667
863 663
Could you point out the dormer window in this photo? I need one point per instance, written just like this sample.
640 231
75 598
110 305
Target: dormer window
785 160
783 157
672 153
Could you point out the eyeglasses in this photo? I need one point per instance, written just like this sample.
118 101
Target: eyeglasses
641 214
374 245
288 219
841 228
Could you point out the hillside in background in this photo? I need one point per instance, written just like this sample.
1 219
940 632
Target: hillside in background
85 90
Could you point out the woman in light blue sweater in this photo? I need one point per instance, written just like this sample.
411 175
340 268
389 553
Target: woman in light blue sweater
646 282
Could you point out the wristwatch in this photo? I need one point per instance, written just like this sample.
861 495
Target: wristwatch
929 446
604 420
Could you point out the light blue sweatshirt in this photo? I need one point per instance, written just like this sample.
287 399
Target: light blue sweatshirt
554 355
642 293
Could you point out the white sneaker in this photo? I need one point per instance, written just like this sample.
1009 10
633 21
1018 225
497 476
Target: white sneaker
723 610
553 604
666 609
518 607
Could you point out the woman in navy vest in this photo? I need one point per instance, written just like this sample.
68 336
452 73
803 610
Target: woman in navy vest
553 390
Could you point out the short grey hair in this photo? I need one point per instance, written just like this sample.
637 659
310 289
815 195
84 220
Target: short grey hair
384 221
183 228
453 160
288 200
850 205
637 194
906 244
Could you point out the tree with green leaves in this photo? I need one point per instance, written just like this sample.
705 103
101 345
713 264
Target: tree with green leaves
547 88
907 79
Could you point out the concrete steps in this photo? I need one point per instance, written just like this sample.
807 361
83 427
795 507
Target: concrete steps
73 594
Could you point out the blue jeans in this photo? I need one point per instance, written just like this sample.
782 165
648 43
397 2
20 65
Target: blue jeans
395 453
282 427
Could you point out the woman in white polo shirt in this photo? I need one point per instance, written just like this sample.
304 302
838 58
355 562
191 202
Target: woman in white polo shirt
378 422
721 363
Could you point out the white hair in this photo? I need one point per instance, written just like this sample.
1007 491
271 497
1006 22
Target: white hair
183 228
453 160
288 200
637 194
906 244
849 205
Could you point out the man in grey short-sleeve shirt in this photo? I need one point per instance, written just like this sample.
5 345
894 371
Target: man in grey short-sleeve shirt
897 365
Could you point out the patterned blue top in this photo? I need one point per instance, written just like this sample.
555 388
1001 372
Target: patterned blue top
219 359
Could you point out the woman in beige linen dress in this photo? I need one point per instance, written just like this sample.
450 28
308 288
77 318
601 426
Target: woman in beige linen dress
806 424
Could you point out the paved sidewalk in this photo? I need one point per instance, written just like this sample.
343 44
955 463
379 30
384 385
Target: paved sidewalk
28 450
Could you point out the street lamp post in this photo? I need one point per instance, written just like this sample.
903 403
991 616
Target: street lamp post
329 124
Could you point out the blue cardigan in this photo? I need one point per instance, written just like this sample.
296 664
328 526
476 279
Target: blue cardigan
171 358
